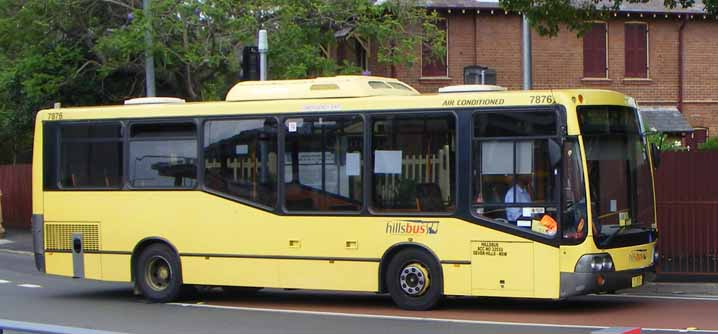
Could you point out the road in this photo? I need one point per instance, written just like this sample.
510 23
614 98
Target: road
26 295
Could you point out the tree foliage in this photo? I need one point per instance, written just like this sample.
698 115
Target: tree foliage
548 16
89 52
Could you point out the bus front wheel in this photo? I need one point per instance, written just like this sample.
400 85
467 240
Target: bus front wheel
158 274
414 280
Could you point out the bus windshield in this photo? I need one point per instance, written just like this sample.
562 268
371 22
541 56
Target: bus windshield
619 176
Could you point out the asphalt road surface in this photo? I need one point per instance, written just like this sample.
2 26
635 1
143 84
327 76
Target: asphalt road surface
26 295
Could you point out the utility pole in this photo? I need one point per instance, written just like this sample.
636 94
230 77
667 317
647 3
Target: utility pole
526 52
149 58
263 48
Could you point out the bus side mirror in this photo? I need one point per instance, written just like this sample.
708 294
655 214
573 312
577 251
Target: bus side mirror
656 154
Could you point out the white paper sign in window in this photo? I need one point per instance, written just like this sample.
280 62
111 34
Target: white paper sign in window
524 157
353 164
387 162
497 157
241 149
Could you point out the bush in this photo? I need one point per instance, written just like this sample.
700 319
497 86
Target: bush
710 145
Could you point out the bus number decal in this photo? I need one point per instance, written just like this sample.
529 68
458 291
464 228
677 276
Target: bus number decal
54 116
541 99
489 248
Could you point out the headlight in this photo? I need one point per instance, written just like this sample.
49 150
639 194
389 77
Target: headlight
592 263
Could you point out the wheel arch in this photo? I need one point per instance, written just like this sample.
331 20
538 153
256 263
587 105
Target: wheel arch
143 244
395 249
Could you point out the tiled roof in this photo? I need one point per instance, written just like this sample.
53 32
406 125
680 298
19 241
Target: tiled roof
664 119
652 6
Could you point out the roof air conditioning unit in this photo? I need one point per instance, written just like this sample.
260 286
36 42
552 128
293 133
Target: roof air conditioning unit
479 75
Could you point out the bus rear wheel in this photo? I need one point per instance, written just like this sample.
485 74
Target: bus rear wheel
158 274
414 280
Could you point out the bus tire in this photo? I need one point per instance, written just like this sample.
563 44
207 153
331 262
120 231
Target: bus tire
414 280
158 274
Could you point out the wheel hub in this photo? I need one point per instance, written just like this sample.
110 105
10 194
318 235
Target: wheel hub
414 279
158 273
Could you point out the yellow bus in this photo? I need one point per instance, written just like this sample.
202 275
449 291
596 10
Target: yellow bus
350 183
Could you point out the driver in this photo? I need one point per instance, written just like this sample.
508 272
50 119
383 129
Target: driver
522 189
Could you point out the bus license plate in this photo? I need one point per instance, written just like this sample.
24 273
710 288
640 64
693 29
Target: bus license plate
637 281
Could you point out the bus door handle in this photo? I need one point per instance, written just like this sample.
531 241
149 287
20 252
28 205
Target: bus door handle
295 243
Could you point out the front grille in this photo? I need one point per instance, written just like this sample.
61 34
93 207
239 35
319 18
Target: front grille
58 236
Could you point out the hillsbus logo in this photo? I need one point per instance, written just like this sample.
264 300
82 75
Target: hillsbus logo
639 255
413 227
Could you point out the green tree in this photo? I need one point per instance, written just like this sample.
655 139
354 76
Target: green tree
548 16
90 52
46 56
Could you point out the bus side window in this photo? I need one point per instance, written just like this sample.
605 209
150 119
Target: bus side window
516 177
323 163
240 159
163 155
414 160
91 155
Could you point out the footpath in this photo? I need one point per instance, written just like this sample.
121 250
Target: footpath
20 242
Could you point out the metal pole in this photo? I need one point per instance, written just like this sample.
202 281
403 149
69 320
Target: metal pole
526 52
149 58
263 48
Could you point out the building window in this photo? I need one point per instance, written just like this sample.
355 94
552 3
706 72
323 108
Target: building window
594 52
163 155
432 65
323 162
413 163
695 138
91 156
240 159
636 50
353 52
516 163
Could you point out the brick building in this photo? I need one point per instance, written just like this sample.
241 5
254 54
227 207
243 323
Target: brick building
637 51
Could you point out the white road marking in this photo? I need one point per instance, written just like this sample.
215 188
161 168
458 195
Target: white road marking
5 241
10 251
2 281
691 297
32 286
395 317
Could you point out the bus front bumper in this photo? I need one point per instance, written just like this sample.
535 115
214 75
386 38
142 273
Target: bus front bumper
576 284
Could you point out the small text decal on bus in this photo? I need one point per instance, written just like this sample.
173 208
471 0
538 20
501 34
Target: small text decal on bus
412 227
54 116
472 102
490 248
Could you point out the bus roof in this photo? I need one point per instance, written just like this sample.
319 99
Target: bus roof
326 87
337 94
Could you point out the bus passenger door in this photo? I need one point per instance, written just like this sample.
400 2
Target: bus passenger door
502 268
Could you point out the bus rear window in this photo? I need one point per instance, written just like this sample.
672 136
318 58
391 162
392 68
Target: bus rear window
91 155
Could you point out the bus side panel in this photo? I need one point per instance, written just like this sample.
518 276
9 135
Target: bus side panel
329 275
58 264
230 271
457 279
546 271
116 267
503 268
